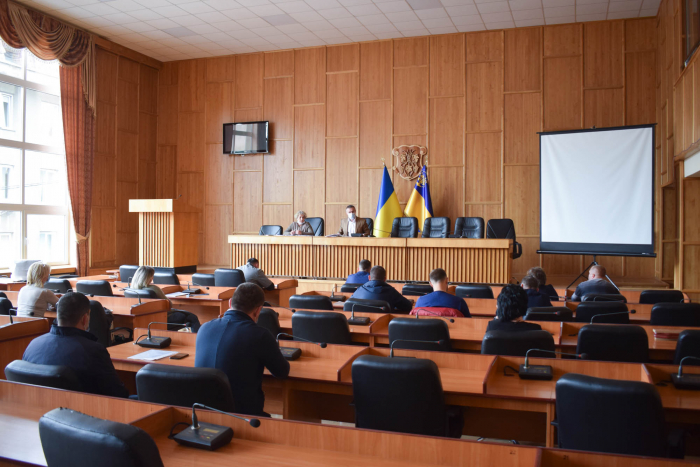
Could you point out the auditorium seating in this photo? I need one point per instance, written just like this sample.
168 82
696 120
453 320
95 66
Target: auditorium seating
436 227
270 230
224 277
100 325
328 327
52 376
504 228
416 289
549 313
367 306
474 291
407 329
165 278
516 344
269 319
598 311
349 288
469 227
310 302
675 314
604 297
58 285
688 345
205 280
127 272
652 297
404 227
621 343
317 224
99 288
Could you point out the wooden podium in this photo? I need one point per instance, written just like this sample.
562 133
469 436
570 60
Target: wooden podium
168 234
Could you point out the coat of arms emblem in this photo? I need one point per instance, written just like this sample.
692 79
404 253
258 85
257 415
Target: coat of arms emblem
409 160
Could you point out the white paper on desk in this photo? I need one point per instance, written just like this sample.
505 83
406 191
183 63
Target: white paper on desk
177 294
152 355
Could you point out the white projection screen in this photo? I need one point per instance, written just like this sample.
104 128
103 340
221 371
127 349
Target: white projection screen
597 191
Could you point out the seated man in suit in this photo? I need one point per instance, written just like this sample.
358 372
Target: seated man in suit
253 273
362 274
596 283
69 344
548 289
440 302
353 224
511 306
236 345
378 289
534 296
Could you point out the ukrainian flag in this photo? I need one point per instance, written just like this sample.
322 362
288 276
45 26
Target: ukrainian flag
419 204
388 207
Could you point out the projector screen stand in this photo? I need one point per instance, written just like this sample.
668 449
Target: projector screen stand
583 274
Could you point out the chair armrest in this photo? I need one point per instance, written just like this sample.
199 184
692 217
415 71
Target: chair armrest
454 421
676 443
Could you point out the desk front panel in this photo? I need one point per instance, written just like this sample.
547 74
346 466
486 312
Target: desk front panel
338 257
278 256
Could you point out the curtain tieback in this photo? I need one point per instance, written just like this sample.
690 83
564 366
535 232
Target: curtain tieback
80 239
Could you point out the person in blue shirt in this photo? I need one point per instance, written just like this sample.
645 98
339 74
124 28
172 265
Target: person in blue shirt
377 289
548 289
362 274
439 299
535 298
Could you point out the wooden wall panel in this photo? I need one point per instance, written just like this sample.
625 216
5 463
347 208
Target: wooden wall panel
447 131
341 170
190 142
247 209
219 110
640 89
277 173
343 58
192 76
485 211
640 35
410 101
342 112
104 183
484 96
309 193
375 70
166 166
278 110
277 214
103 250
279 64
562 93
375 133
447 201
127 106
562 39
603 107
167 115
127 155
370 183
249 74
411 52
523 119
484 46
218 170
310 75
148 136
603 53
106 64
446 65
105 126
221 69
521 202
523 49
148 89
483 167
309 136
219 222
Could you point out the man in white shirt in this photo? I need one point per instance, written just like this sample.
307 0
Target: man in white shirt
353 224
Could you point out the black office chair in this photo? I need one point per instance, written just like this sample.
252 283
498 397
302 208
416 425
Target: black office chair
688 344
328 327
474 291
504 228
204 280
652 297
71 438
127 272
58 285
224 277
402 395
422 330
404 227
317 224
183 386
51 376
175 316
349 287
619 343
98 288
140 293
6 307
367 306
270 230
516 344
310 302
370 225
269 319
469 227
166 278
549 313
436 227
604 297
101 326
416 290
675 314
613 416
585 311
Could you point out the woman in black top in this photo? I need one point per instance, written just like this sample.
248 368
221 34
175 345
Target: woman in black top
511 307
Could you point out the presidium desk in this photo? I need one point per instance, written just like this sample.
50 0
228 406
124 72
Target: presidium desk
405 259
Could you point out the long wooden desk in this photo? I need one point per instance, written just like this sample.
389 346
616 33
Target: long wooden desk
412 259
15 338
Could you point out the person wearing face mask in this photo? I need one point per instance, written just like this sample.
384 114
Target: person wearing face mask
299 226
353 224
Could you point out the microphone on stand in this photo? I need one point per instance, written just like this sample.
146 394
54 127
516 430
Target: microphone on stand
541 372
687 381
188 290
292 353
360 320
207 435
156 342
631 312
391 353
336 298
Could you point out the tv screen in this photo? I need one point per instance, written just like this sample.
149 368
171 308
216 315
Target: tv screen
245 138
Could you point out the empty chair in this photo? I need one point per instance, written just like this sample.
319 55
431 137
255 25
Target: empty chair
474 291
101 324
688 344
204 280
585 311
366 306
436 227
676 314
317 224
270 230
402 395
310 302
549 313
183 386
127 272
52 376
504 228
140 293
166 278
421 330
469 227
411 290
269 319
58 285
370 225
71 438
607 415
224 277
516 344
404 227
328 327
620 343
604 297
349 288
652 297
99 288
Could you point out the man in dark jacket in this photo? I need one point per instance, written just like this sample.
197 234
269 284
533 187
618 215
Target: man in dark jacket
362 274
236 345
535 298
69 344
596 283
378 289
511 306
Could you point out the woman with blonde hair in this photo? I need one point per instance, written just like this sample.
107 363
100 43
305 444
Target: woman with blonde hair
33 299
299 226
143 279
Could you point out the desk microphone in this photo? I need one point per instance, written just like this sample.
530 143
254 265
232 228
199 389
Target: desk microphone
631 312
391 353
188 290
157 342
452 320
541 372
292 353
206 435
128 285
688 381
359 321
337 298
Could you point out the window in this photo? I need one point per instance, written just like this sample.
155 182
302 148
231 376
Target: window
692 28
34 214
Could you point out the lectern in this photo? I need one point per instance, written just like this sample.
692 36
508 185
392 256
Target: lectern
168 234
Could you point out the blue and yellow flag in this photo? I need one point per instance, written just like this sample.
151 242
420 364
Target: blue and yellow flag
388 207
419 204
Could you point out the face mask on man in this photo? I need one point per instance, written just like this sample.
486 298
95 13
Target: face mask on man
351 216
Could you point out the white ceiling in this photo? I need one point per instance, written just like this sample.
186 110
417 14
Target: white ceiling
180 29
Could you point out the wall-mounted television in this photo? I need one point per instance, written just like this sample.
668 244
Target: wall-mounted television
246 138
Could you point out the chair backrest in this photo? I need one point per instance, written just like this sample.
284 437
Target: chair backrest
349 287
183 386
688 344
618 343
436 227
422 330
404 227
166 278
416 289
607 415
311 302
500 228
99 288
58 285
99 325
370 225
604 297
270 230
6 307
269 319
71 438
317 224
469 227
549 313
652 297
366 305
474 291
676 314
398 394
516 344
205 280
587 310
127 272
224 277
143 293
323 326
52 376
